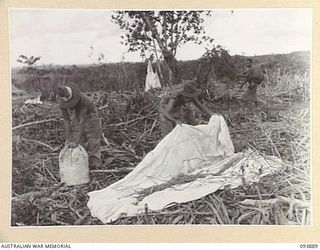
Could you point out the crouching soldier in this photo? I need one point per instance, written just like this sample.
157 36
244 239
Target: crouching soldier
84 121
174 108
254 76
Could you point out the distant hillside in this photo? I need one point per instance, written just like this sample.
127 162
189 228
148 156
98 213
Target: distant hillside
131 76
296 61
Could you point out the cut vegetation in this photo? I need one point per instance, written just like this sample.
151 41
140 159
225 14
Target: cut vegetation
280 126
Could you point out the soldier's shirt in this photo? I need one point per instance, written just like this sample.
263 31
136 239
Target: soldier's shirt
255 75
85 102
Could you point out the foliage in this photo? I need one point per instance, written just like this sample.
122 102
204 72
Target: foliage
113 76
296 62
217 61
162 31
282 84
28 61
131 76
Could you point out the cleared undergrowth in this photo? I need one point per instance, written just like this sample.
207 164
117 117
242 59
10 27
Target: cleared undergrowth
280 126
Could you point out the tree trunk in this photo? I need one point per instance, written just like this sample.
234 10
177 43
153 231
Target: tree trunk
158 63
174 71
167 55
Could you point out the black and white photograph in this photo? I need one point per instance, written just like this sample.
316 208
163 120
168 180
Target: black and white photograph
161 117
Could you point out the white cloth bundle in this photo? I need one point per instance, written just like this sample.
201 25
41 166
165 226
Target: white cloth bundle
74 166
205 152
152 78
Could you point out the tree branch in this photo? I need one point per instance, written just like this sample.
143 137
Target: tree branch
154 31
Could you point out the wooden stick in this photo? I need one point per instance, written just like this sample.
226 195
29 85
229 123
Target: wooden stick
34 123
133 120
105 140
49 172
105 106
294 202
111 170
41 143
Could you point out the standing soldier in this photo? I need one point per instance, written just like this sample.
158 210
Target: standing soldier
254 76
85 120
174 108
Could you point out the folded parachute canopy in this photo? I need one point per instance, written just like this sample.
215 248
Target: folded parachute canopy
152 78
189 163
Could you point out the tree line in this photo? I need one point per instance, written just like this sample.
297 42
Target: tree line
215 64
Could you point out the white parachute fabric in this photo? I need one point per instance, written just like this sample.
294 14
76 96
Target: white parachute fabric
189 163
152 79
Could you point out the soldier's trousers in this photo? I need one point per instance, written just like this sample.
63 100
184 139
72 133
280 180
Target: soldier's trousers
92 135
250 97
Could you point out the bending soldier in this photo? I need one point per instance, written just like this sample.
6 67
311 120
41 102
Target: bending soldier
84 121
174 108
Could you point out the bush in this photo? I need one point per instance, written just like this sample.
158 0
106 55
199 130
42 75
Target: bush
216 63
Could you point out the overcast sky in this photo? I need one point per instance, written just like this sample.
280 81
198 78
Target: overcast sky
65 36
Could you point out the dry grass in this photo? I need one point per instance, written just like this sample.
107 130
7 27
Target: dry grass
281 87
130 128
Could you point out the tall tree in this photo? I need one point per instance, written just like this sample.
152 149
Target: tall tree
164 31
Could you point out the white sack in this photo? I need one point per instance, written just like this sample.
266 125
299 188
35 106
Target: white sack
204 150
152 79
74 165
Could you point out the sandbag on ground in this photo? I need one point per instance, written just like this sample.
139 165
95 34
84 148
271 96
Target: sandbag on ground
189 163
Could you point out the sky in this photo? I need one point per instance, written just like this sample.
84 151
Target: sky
65 37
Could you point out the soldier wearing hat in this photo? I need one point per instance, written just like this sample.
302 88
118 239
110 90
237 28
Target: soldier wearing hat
174 108
254 76
84 121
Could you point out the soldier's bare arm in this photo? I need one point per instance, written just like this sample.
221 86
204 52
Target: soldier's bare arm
165 110
82 113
